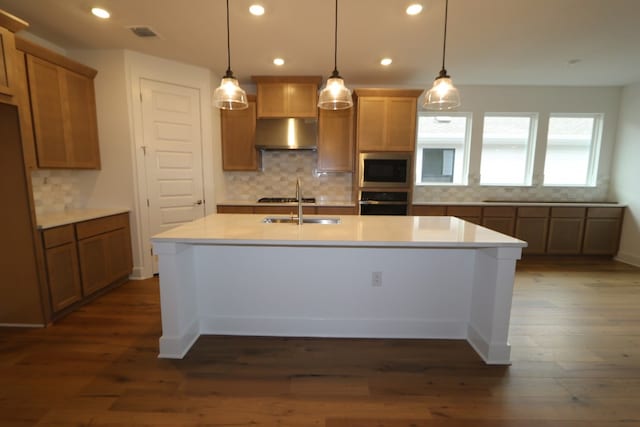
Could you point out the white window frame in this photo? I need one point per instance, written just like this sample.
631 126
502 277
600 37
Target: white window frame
531 147
594 151
466 150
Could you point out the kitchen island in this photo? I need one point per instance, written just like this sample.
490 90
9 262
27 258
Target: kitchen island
368 276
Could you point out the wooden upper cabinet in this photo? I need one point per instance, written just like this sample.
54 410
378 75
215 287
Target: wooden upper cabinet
63 109
9 24
287 96
238 129
6 62
386 119
335 141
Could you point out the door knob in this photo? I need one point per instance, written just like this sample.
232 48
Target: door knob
199 202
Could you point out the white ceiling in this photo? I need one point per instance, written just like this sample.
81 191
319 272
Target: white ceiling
514 42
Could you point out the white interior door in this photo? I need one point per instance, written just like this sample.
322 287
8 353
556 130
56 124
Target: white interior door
172 139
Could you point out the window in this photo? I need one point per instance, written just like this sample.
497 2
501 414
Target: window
507 149
573 144
443 141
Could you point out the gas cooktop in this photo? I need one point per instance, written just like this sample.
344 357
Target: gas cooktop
286 200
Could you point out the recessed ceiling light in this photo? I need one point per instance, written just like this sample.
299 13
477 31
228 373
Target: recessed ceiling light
256 9
278 61
100 13
414 9
386 61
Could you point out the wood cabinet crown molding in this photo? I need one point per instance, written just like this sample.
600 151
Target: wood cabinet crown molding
287 79
387 92
11 22
55 58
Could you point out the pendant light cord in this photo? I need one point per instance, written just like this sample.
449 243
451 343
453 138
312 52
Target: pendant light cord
444 43
335 44
229 73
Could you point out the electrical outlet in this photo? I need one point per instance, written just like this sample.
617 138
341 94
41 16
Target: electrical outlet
376 278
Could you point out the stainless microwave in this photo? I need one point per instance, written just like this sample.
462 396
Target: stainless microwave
385 170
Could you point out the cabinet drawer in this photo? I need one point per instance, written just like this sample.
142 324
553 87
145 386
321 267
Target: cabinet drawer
101 225
468 211
604 212
223 209
499 211
58 236
533 212
568 212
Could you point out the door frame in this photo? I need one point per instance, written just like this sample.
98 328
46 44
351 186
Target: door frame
138 67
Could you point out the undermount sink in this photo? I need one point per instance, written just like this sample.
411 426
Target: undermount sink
290 220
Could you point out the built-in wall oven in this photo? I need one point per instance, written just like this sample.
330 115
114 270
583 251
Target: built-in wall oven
384 202
385 183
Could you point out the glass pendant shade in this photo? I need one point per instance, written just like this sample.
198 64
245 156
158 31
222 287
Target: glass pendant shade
442 96
229 95
335 95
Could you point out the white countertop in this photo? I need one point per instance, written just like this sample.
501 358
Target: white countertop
518 203
256 203
56 219
355 231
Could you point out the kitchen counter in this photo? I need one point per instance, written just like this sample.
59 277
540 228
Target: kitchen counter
256 203
56 219
524 203
369 276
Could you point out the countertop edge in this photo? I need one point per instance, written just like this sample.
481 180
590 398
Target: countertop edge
515 203
57 219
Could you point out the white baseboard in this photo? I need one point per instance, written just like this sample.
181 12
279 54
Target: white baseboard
628 258
138 273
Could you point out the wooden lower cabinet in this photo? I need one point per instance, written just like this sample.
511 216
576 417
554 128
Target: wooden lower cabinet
602 231
468 213
566 225
500 218
63 272
105 257
532 226
85 257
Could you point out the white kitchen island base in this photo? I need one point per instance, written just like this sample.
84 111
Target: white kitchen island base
321 284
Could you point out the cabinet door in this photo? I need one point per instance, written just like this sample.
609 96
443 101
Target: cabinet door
302 100
336 210
501 225
534 232
82 132
94 266
565 236
371 123
7 48
45 87
425 210
119 257
335 141
601 236
238 139
401 124
63 275
272 99
24 105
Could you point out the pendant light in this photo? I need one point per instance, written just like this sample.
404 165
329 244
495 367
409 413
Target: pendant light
335 95
229 95
443 95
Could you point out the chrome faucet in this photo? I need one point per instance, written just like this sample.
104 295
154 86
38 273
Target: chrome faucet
299 199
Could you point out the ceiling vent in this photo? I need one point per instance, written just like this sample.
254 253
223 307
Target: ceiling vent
142 31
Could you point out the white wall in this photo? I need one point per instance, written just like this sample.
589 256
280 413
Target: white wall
121 180
626 173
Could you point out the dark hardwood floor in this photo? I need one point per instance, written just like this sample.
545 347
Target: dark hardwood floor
575 338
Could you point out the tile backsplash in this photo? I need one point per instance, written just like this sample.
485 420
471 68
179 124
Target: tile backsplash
475 192
55 190
278 179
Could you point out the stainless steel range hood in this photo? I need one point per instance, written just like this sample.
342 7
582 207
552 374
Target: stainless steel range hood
287 134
